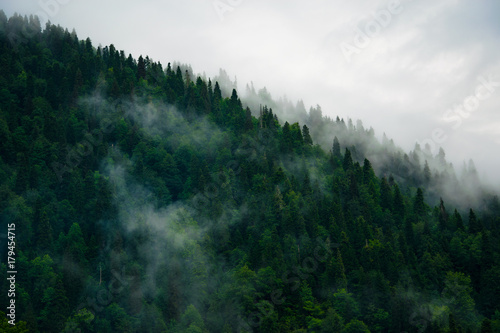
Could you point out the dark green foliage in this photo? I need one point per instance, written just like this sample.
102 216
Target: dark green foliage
347 162
141 68
336 149
474 224
443 216
398 205
307 136
486 326
44 237
146 200
20 327
386 199
419 208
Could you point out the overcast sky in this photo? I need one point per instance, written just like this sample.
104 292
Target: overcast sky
401 67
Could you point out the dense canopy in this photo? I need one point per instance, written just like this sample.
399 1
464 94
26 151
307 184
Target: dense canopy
149 199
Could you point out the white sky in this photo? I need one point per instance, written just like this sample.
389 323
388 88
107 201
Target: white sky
420 61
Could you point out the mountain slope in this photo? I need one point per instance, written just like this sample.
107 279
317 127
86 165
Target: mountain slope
147 200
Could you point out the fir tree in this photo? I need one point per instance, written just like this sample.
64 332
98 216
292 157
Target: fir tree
418 203
307 137
347 162
141 68
336 149
443 216
474 224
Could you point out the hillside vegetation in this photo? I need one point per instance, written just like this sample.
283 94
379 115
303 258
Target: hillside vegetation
148 199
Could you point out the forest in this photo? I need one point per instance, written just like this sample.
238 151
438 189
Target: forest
147 198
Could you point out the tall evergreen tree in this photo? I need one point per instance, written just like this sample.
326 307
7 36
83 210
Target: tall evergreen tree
336 148
385 195
399 206
458 220
44 233
306 135
474 224
419 208
443 216
141 68
368 173
347 162
486 326
427 173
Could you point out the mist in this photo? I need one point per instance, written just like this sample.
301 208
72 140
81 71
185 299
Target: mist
176 210
419 60
167 240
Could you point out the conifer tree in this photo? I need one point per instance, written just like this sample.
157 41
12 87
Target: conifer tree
307 137
347 162
385 195
443 216
486 326
399 206
458 220
474 224
418 203
427 173
336 148
286 143
339 272
141 68
44 233
248 120
368 173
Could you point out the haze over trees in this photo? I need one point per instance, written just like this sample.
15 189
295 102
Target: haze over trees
149 199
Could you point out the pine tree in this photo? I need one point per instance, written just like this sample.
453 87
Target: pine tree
418 203
385 195
248 120
216 104
458 220
353 186
399 206
443 216
452 326
141 68
278 205
56 308
74 254
368 173
347 162
427 173
307 137
286 143
486 326
77 85
336 148
339 272
44 238
408 232
474 224
333 323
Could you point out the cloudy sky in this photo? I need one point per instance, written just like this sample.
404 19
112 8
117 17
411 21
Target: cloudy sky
418 70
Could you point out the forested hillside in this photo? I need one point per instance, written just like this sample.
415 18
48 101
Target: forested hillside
148 199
